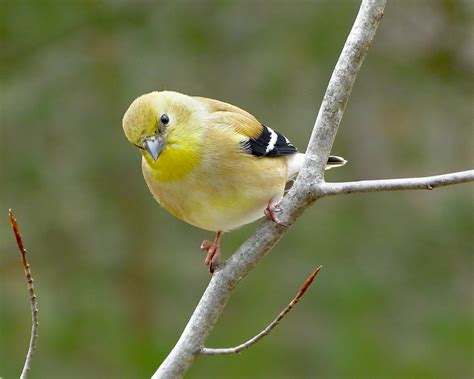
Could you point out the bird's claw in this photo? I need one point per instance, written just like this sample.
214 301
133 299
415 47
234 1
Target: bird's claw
206 245
213 250
271 212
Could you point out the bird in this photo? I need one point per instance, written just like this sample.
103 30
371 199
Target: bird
210 163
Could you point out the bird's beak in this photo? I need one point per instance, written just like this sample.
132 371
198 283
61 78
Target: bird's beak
154 145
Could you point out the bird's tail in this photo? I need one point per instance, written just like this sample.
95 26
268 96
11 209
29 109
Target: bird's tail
335 161
295 162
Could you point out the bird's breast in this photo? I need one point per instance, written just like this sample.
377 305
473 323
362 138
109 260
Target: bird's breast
219 194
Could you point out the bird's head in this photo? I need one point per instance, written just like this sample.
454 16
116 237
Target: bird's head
156 120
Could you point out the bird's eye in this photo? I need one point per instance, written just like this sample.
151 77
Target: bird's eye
164 119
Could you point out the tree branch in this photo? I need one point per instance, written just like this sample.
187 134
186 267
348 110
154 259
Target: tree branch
339 89
426 183
31 290
237 349
229 274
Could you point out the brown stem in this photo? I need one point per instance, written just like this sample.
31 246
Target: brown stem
31 290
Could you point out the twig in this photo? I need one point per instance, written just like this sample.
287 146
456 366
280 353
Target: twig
424 183
229 274
237 349
31 290
339 89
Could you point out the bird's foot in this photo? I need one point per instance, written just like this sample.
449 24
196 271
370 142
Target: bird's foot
271 212
213 251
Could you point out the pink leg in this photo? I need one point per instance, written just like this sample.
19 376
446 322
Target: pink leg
271 212
213 250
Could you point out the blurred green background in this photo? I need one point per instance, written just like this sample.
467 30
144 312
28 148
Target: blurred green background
117 277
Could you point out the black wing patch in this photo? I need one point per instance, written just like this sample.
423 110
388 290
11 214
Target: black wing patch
269 144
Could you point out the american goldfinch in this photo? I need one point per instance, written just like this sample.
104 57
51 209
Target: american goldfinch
209 163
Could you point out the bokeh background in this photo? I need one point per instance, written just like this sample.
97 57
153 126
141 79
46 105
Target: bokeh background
117 277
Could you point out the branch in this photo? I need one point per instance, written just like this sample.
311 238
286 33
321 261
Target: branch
425 183
269 328
339 89
229 274
31 290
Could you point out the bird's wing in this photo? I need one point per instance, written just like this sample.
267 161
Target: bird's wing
259 140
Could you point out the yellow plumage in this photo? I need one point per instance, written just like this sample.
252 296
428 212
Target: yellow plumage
209 163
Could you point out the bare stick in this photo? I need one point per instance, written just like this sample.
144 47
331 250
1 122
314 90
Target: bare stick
31 290
425 183
339 89
237 349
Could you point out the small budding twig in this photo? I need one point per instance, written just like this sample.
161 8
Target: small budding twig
31 290
237 349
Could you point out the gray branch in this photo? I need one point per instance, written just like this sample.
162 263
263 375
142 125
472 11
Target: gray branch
427 183
229 274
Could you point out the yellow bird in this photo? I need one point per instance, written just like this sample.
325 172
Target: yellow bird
209 163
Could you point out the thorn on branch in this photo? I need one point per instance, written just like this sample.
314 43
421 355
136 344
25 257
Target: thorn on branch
31 290
269 328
